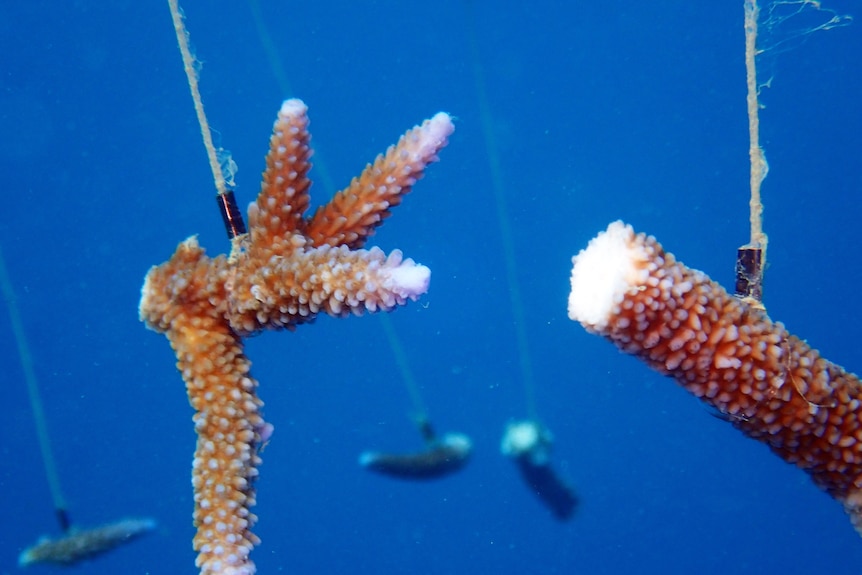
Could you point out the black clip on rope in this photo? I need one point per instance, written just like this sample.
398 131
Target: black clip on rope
230 214
749 273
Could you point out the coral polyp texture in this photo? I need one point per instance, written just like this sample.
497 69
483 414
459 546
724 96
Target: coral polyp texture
769 384
286 271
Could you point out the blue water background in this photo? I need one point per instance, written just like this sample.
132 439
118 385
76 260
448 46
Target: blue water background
632 110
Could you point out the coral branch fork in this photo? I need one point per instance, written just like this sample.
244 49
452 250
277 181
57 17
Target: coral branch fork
287 270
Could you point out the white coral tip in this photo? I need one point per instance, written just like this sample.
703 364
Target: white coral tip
602 272
293 108
409 279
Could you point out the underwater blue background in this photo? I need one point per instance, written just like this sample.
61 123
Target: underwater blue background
630 109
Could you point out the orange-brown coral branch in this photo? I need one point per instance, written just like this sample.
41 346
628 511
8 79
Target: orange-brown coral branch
350 218
178 297
770 384
281 277
230 430
285 188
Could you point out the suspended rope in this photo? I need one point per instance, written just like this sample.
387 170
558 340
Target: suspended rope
192 76
487 122
35 398
219 160
404 368
751 258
